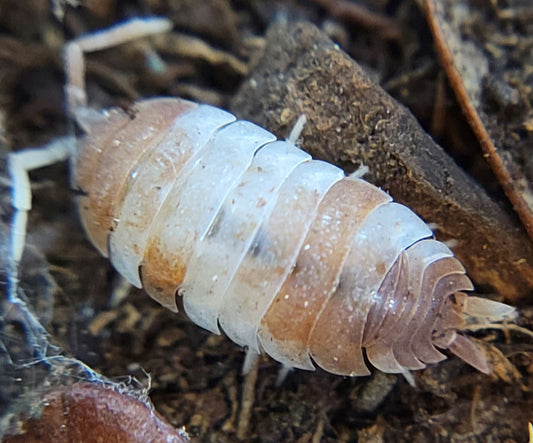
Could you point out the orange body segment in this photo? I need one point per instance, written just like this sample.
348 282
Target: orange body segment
315 276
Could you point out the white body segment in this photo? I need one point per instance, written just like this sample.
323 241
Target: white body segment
273 251
154 179
233 230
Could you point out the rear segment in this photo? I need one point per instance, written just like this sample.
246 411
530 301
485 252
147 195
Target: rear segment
393 295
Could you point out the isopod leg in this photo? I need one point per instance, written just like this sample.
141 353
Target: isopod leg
282 374
19 164
360 172
297 129
249 361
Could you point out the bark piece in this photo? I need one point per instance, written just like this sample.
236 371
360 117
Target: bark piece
352 121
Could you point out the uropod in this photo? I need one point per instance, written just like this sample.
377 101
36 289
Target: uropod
284 254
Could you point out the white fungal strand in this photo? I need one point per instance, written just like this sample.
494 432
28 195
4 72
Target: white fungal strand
283 253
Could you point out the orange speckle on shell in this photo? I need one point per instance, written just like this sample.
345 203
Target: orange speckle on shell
161 273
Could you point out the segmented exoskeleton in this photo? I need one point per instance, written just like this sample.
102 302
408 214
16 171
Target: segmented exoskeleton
283 253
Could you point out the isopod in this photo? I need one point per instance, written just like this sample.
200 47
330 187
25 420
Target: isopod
283 253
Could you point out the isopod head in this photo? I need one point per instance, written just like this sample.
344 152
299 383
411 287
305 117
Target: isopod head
107 155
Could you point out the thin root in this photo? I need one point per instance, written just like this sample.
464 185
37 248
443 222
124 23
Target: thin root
247 401
502 327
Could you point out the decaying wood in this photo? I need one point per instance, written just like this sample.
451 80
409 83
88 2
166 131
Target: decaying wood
352 121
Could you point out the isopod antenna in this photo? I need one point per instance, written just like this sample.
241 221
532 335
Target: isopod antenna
20 163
